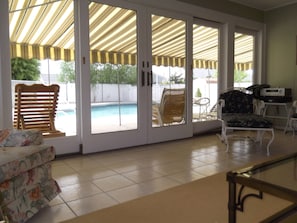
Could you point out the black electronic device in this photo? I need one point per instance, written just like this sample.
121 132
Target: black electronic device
256 89
277 95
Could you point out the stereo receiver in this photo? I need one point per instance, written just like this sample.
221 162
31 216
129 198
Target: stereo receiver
281 95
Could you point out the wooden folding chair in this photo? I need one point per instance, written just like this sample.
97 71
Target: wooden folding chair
35 108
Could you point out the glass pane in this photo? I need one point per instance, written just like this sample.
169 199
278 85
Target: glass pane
205 72
168 86
42 51
113 68
243 60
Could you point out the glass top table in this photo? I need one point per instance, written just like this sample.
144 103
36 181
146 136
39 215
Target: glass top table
277 177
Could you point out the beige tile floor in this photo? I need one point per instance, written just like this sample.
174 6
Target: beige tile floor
96 181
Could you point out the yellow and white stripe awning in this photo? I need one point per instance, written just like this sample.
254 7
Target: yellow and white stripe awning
44 29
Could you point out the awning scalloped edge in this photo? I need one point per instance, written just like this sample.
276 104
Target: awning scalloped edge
55 53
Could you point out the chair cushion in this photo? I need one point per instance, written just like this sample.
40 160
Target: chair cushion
246 121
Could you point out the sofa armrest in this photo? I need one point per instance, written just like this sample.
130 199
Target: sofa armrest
18 137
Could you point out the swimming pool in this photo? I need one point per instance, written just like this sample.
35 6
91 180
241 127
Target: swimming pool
105 110
105 118
113 110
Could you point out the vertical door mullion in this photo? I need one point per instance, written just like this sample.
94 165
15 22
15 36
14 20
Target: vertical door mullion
189 70
83 68
5 80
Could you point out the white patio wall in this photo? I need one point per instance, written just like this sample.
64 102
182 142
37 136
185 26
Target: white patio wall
103 92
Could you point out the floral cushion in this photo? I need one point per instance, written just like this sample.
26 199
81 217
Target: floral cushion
16 137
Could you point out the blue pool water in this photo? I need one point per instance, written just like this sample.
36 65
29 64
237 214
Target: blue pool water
99 111
112 110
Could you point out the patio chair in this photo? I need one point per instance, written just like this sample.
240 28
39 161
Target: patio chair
35 108
203 104
171 108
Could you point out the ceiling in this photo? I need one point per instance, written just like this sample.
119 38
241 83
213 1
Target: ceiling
265 5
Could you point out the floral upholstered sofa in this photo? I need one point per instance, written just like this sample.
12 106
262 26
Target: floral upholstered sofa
26 183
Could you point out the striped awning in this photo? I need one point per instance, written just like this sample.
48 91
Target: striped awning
44 29
40 52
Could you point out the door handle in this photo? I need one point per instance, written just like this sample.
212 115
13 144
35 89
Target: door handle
150 78
142 78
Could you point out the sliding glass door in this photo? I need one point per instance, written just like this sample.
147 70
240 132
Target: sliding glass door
169 78
126 79
42 52
168 71
112 105
130 66
128 74
113 68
